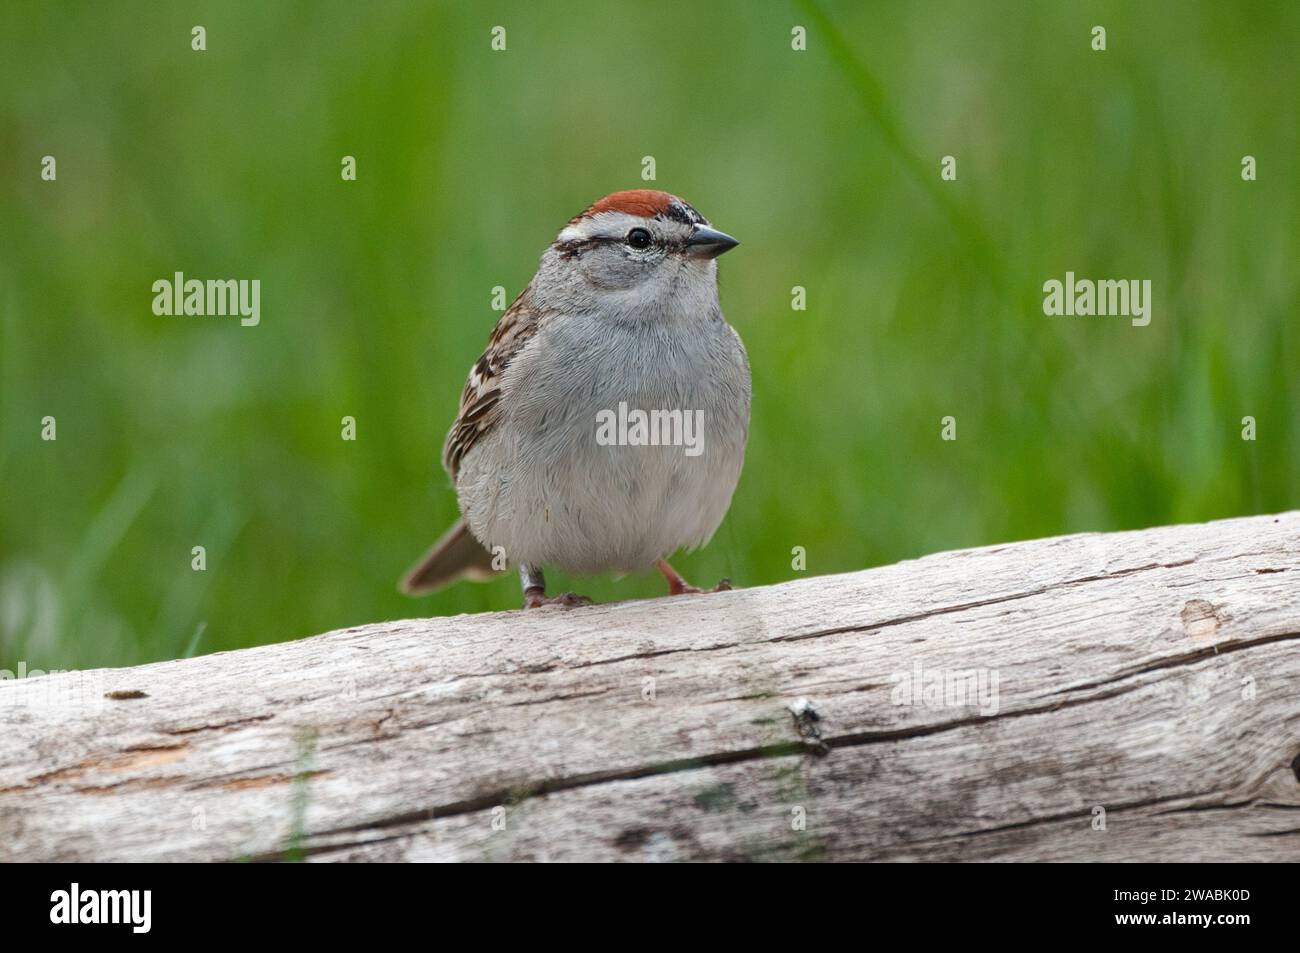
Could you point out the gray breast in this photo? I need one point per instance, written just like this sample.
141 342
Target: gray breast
552 489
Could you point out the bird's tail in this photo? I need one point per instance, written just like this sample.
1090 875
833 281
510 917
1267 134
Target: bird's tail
457 554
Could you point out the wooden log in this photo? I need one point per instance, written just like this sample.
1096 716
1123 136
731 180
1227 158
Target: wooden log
1129 696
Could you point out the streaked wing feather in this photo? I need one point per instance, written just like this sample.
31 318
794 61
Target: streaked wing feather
480 401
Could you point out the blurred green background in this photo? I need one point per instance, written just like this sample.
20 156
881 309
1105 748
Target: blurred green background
924 297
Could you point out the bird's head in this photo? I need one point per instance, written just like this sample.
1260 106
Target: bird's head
638 250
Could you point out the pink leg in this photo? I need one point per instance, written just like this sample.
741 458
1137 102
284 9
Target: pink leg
677 585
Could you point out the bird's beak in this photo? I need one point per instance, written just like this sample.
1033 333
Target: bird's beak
708 243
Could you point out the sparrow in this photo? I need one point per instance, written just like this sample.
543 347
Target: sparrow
621 319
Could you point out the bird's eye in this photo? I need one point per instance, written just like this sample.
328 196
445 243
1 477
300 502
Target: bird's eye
638 238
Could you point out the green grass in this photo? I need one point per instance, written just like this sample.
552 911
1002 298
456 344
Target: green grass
924 297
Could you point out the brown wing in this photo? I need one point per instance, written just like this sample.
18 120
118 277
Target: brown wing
480 406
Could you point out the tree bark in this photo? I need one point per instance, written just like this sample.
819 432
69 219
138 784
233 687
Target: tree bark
1128 696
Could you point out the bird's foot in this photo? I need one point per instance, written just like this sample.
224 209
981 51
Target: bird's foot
677 585
535 598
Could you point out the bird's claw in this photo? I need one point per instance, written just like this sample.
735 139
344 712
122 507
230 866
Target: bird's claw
677 585
536 598
724 585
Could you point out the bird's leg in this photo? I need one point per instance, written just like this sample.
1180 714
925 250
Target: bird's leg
534 583
677 585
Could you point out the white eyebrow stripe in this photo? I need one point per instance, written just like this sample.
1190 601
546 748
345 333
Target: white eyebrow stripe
602 225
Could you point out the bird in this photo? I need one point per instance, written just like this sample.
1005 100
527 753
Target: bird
552 458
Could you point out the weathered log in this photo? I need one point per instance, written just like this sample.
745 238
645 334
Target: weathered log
1130 696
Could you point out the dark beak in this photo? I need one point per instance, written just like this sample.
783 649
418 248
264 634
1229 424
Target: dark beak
708 242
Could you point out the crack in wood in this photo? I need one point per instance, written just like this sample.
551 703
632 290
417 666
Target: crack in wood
1187 658
977 604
